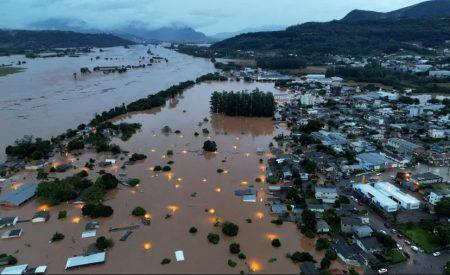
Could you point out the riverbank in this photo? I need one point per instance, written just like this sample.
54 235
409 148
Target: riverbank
46 94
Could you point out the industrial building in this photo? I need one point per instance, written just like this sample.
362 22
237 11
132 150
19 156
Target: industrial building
378 198
406 201
374 161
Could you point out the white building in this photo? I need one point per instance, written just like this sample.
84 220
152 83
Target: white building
439 74
326 194
378 198
436 196
436 133
406 201
310 99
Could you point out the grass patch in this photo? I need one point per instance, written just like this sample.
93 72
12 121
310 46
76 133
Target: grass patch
422 235
10 70
395 255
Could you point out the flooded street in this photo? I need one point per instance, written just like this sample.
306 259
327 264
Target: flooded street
193 193
45 99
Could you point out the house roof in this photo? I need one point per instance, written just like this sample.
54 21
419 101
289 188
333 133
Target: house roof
351 221
86 260
308 268
42 214
371 243
20 195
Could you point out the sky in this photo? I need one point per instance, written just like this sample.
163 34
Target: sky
208 16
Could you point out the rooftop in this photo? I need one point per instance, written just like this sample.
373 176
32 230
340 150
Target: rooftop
20 195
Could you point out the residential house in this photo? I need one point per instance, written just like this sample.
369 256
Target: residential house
369 244
326 194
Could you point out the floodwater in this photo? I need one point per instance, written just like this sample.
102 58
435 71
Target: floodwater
46 100
193 193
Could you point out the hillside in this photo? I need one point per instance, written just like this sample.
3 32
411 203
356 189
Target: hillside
134 31
22 40
360 32
428 9
341 37
168 34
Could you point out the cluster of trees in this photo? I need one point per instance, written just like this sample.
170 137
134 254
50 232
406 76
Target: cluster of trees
97 210
211 77
442 208
344 37
62 190
375 73
309 223
227 67
124 130
11 260
151 101
30 148
210 146
288 62
313 125
255 103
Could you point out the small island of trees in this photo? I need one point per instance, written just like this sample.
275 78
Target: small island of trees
255 103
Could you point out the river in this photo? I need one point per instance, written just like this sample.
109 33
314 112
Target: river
45 99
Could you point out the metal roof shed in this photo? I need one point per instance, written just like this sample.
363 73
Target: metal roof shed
79 261
19 196
16 269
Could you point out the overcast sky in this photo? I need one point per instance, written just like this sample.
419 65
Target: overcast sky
208 16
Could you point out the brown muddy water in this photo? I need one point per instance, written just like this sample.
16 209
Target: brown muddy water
193 193
45 99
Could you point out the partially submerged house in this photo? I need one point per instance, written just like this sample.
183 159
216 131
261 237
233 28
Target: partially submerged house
8 221
79 261
41 216
19 196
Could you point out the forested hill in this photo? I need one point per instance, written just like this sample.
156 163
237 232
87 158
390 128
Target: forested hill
22 40
344 37
360 32
428 9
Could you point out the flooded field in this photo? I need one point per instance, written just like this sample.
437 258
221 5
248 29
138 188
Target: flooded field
192 193
45 99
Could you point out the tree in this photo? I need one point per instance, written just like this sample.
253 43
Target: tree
325 263
322 244
230 229
297 257
97 210
193 230
108 181
136 157
330 254
443 234
309 220
442 208
55 192
138 211
447 268
386 240
57 237
276 243
103 243
210 146
213 238
235 248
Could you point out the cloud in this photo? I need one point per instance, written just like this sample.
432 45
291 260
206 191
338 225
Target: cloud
210 16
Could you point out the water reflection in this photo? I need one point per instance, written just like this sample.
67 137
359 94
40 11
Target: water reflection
242 125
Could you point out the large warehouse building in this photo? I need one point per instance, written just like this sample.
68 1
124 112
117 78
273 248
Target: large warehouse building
377 197
406 201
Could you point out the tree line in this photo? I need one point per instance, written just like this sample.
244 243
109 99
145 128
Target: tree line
255 103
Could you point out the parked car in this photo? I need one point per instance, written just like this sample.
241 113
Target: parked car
437 254
400 236
399 246
383 232
382 270
414 248
394 231
407 242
